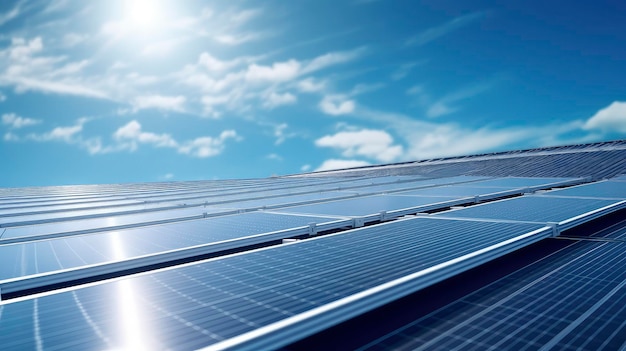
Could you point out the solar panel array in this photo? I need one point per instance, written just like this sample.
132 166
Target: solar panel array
259 263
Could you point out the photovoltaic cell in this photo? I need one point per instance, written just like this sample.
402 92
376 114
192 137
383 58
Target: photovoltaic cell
573 300
206 303
535 183
534 208
142 246
414 184
284 200
464 190
25 233
372 205
606 189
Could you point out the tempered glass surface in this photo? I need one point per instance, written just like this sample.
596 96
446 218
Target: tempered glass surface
201 304
576 300
415 184
457 190
77 213
273 201
611 190
367 205
517 182
102 222
62 207
531 208
23 259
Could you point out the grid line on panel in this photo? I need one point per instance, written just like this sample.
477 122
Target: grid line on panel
256 288
556 302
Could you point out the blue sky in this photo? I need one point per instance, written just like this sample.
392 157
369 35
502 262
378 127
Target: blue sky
154 90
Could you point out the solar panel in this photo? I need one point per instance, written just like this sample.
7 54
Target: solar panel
266 298
481 193
574 300
93 225
382 188
606 189
566 212
282 201
378 207
27 219
68 258
530 183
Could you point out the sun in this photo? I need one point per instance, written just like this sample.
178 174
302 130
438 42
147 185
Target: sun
143 14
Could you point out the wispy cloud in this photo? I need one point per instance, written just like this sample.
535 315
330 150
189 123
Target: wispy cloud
449 103
11 14
441 30
370 143
208 146
428 139
274 157
273 100
14 121
609 119
336 105
131 136
160 102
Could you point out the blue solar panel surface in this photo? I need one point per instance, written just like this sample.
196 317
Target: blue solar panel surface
369 205
608 190
101 223
24 259
532 209
205 303
463 190
517 182
574 300
570 300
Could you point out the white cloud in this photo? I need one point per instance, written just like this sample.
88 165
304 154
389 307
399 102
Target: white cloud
161 102
23 84
336 105
237 39
11 137
331 59
68 134
167 176
130 135
305 168
436 32
431 140
274 157
3 97
15 121
277 72
279 133
22 49
374 144
214 64
207 146
333 164
275 99
310 85
609 119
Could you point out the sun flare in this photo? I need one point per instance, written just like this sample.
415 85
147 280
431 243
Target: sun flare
143 14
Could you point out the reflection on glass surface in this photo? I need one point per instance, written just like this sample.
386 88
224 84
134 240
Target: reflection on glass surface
131 326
